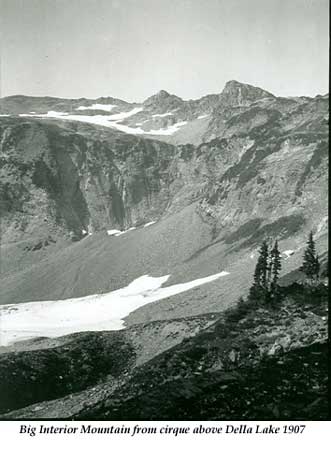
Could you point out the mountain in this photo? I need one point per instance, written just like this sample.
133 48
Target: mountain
163 116
266 174
96 195
239 94
22 104
162 100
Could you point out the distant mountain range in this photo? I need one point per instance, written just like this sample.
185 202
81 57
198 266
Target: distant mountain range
261 172
163 116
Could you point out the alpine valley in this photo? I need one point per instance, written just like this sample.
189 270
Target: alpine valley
128 233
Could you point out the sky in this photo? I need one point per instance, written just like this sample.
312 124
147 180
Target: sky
131 49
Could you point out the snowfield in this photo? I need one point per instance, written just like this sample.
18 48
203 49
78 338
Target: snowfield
112 120
118 232
99 106
163 115
167 131
91 313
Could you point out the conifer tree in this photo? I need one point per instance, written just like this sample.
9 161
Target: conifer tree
276 266
317 268
263 259
259 288
266 275
310 265
276 263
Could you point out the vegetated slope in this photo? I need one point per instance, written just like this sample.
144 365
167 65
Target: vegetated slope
263 392
254 362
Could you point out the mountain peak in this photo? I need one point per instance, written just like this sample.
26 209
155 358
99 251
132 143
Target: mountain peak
162 93
241 94
162 97
233 83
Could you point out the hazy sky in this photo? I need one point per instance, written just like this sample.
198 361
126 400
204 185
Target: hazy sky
132 48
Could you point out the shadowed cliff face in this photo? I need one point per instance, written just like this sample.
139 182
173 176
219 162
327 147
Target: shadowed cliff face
54 180
62 179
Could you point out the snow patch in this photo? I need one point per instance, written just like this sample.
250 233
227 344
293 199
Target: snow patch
161 131
99 106
203 116
112 121
53 114
118 232
114 232
288 253
163 115
124 115
167 131
91 313
148 224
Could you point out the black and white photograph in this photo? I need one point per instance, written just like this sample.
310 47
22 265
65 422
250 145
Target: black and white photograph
164 211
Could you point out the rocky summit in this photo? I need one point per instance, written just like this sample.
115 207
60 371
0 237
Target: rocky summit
96 194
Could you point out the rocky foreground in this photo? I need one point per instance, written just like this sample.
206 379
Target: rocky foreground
252 362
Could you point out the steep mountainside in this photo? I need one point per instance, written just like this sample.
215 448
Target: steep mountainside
94 179
97 194
62 181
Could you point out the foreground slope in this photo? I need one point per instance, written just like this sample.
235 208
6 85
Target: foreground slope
252 362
